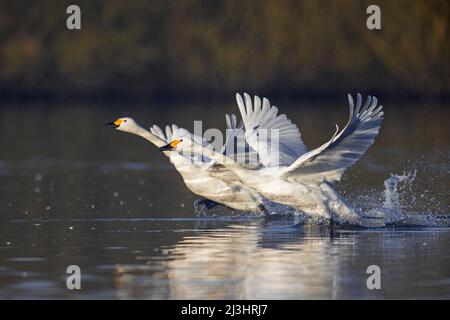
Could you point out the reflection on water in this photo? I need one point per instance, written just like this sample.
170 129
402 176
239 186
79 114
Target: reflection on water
74 192
216 259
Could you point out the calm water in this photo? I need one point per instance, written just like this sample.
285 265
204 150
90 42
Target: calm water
75 192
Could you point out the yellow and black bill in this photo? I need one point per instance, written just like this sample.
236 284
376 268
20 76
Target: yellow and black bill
114 124
170 146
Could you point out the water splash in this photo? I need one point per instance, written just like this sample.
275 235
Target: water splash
391 191
393 209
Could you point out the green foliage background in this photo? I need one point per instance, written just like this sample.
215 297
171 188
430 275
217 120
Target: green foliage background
192 47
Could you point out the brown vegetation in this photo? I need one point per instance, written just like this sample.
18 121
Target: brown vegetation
192 46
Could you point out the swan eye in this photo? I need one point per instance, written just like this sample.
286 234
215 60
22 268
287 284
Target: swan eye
124 120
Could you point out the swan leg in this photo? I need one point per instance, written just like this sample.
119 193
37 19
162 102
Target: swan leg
201 206
262 209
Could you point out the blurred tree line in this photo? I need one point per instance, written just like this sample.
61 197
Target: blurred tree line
194 47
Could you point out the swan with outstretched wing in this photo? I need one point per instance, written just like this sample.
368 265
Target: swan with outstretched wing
303 183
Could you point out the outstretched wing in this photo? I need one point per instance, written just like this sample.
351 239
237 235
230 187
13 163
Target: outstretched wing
234 133
265 131
173 132
329 161
156 130
235 145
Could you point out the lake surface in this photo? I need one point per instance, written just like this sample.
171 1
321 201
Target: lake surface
73 192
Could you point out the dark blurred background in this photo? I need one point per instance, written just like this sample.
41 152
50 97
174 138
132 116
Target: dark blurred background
75 192
167 62
191 48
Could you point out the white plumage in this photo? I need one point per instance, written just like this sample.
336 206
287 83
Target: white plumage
330 160
201 176
262 123
301 179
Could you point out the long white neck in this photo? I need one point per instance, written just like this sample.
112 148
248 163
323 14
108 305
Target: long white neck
181 163
147 135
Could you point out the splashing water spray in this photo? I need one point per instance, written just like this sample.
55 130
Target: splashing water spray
393 209
391 193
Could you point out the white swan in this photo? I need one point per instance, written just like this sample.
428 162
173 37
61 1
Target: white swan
204 178
301 179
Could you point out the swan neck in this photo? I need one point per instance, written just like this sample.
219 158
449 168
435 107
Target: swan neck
147 135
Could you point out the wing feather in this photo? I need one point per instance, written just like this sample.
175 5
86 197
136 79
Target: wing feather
259 117
234 133
329 161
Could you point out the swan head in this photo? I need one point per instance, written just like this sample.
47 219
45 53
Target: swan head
180 144
124 124
177 144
